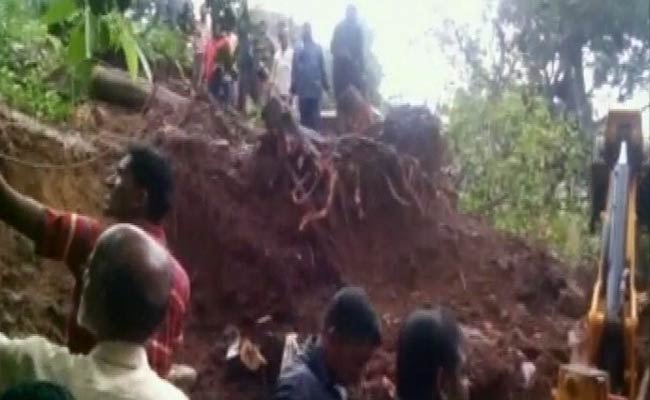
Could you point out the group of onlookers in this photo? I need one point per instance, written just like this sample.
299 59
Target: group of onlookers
259 67
131 296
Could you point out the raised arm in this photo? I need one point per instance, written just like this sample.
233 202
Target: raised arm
21 212
58 235
323 73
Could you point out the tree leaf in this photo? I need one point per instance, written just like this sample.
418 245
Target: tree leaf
100 7
89 24
145 63
81 74
511 145
102 36
77 46
59 11
130 50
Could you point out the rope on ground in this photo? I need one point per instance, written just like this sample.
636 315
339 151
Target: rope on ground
31 125
40 165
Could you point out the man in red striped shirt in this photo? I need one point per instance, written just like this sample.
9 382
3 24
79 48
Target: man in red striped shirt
139 193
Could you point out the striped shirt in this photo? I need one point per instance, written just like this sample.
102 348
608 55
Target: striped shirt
70 238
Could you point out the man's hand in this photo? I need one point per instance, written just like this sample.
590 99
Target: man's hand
21 212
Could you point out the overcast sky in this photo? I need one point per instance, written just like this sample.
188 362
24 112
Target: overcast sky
413 69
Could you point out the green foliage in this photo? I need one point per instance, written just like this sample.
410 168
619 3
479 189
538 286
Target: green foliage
26 92
130 48
164 44
521 167
59 11
521 164
48 48
565 49
95 27
29 57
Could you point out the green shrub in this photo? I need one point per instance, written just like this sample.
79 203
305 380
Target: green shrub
29 58
163 44
522 168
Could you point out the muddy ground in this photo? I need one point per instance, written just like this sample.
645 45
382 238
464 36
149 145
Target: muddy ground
238 235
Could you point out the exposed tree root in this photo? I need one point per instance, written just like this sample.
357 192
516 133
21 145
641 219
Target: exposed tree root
322 169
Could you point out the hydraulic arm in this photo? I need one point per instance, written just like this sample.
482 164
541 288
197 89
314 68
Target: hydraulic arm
612 320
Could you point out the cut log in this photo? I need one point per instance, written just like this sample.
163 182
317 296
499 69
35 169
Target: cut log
116 86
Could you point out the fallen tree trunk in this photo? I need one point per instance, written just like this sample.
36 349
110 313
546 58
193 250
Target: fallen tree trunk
116 86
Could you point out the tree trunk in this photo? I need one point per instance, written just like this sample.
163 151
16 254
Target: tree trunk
116 86
584 112
571 87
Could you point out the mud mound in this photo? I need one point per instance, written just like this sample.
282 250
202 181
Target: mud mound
409 129
290 218
200 118
270 225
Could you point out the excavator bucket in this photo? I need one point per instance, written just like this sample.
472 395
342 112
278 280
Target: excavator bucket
579 382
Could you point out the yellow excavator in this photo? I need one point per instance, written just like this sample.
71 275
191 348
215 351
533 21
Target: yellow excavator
612 367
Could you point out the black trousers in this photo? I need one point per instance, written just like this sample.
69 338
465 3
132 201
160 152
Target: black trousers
309 113
221 88
248 85
344 74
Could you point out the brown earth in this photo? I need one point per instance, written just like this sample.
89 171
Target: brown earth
236 229
34 293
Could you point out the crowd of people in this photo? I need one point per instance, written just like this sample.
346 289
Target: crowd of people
238 65
131 296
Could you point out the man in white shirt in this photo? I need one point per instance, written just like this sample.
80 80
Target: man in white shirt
126 290
282 64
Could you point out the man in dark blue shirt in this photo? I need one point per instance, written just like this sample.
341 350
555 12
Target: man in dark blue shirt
347 49
351 333
309 79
